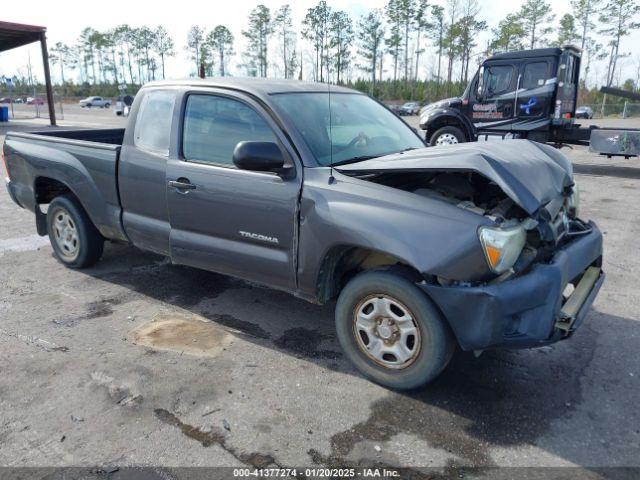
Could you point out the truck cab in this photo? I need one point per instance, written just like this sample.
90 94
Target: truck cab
524 94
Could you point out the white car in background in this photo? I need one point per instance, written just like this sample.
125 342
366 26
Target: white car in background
95 102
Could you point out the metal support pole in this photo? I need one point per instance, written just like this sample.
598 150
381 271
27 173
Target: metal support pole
47 78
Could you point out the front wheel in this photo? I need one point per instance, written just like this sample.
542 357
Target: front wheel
75 240
448 135
391 331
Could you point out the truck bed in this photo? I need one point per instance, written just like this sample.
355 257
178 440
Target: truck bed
84 160
112 136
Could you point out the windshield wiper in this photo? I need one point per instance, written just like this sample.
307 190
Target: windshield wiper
360 158
369 157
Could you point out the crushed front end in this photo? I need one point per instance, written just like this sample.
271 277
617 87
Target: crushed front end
534 268
544 276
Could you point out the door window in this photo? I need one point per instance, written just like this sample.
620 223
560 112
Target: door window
213 126
535 75
153 123
496 79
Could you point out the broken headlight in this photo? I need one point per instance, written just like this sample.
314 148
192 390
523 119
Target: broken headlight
502 246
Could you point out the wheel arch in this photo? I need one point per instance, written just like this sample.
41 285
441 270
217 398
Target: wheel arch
342 262
448 118
45 189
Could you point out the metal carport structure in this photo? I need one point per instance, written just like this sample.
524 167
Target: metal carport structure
13 35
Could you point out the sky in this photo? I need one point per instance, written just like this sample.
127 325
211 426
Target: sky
65 19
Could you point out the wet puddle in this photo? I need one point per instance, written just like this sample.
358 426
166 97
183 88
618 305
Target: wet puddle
183 335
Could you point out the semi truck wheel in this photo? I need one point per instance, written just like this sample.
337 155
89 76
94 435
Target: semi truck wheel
75 240
391 331
448 135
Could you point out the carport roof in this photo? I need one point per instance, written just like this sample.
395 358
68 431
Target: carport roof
14 35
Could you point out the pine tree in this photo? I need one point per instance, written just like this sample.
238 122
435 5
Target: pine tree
537 19
163 45
370 38
340 39
195 38
618 17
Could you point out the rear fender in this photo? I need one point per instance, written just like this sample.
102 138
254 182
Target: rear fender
44 162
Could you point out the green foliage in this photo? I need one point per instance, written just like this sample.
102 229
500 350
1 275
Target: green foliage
567 31
220 42
618 18
584 12
283 27
340 39
509 35
401 91
370 37
259 30
315 29
195 41
537 20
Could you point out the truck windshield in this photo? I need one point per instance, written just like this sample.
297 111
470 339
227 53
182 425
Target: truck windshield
360 128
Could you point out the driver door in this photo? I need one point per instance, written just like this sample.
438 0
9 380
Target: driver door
224 219
493 108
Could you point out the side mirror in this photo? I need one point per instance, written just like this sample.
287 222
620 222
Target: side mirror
258 157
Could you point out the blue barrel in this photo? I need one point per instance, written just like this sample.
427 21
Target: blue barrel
4 114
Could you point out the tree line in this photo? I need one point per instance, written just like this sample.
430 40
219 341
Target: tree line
382 52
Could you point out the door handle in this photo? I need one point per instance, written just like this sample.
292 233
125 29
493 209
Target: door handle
182 184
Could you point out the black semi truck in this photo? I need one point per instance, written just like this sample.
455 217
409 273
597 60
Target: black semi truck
525 94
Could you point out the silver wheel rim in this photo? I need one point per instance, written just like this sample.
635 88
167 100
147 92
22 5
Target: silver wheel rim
65 234
386 331
446 139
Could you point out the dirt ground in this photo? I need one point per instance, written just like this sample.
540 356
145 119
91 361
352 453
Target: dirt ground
139 362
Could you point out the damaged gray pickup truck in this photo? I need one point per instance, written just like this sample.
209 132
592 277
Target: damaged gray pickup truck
328 196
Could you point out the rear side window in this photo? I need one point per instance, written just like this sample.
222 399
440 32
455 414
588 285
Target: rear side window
153 123
535 75
213 126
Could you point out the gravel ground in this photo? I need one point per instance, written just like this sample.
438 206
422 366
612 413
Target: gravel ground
81 386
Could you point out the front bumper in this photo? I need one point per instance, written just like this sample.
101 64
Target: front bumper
526 311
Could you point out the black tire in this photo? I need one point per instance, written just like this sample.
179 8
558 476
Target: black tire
436 340
90 243
107 105
450 130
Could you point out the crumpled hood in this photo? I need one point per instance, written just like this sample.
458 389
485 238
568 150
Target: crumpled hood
530 173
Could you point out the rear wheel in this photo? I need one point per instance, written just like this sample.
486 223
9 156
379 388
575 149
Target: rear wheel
448 135
75 240
391 331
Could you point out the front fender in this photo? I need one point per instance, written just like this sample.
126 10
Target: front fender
431 236
433 119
